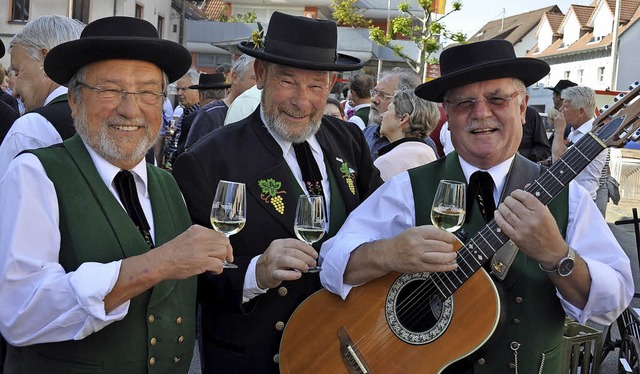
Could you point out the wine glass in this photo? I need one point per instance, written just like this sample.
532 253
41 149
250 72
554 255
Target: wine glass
449 205
228 211
311 221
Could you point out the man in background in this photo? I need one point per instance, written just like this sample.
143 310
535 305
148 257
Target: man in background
48 119
535 144
360 88
188 99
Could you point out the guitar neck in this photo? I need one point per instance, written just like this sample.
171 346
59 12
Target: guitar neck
481 247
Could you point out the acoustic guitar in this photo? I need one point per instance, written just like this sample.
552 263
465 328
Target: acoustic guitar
401 322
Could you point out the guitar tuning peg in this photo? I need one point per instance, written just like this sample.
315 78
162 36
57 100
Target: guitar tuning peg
615 99
634 85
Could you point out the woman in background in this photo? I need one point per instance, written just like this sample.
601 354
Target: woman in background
333 108
407 121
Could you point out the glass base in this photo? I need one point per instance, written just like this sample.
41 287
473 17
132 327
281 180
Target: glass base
315 269
228 265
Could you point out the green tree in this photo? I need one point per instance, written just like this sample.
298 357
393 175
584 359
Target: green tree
418 26
249 17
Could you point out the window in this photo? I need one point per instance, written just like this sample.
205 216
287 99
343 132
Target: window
211 60
580 75
20 10
175 28
81 10
160 26
567 74
601 74
138 13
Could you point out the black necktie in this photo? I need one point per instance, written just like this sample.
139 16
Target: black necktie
481 190
309 168
126 188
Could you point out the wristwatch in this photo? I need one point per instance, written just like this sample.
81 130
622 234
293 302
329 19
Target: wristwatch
565 265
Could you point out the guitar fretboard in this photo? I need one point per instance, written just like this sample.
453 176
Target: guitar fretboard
479 249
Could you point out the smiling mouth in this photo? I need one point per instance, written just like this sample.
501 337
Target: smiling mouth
126 128
483 131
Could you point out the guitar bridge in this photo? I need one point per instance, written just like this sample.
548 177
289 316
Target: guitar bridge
351 357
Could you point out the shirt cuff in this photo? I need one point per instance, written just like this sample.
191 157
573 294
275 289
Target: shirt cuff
334 259
250 288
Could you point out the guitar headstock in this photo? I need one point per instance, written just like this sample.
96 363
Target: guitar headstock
620 122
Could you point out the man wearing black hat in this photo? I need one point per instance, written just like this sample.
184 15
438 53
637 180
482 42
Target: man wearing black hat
560 266
557 91
211 88
98 261
286 148
212 115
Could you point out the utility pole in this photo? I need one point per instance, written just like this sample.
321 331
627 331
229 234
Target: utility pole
388 20
182 12
614 47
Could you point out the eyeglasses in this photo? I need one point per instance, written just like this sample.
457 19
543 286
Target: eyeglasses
496 101
112 95
383 96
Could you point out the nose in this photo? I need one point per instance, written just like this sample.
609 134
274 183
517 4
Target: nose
129 106
481 109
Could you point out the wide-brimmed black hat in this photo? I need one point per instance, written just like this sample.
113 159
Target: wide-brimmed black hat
561 85
211 82
117 38
303 43
469 63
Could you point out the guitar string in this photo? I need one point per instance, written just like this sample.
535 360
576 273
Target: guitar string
423 294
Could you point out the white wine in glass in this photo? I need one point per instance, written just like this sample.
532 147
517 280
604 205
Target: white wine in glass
311 221
228 211
449 204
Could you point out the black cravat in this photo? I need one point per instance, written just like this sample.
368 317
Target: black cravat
126 188
309 168
481 190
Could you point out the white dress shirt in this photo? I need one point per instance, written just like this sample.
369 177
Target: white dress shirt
41 302
250 288
589 177
390 210
30 131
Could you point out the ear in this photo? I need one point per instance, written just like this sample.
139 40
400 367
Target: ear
404 121
523 109
73 104
333 78
258 68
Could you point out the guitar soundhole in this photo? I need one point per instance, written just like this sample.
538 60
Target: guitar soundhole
415 310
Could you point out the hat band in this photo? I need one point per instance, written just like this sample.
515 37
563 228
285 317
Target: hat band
300 52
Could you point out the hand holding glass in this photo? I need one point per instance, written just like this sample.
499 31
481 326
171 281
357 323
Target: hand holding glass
311 221
228 211
449 205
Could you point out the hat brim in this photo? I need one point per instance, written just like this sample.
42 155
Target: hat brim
342 63
63 61
1 49
209 87
552 89
528 70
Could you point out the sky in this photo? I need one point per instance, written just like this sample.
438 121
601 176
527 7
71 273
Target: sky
476 13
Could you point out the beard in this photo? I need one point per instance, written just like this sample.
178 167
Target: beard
277 122
375 117
109 148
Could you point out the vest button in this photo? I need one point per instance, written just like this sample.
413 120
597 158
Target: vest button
519 300
178 320
279 325
276 358
181 339
512 365
176 360
481 361
152 318
516 321
154 341
283 291
152 361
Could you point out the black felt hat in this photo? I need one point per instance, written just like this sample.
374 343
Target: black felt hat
561 85
470 63
211 82
117 38
303 43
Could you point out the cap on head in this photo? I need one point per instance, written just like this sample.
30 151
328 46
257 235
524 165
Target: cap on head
561 85
303 43
481 61
117 38
211 82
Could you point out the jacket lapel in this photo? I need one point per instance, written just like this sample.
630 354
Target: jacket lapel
131 242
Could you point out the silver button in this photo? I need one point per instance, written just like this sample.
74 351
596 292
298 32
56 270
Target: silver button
276 358
279 325
282 291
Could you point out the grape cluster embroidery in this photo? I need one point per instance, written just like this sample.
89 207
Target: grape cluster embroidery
271 194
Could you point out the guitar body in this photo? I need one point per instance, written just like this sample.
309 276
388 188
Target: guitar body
310 343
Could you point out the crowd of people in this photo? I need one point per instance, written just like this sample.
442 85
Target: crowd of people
108 259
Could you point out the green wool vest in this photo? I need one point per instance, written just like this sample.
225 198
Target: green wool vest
531 313
158 333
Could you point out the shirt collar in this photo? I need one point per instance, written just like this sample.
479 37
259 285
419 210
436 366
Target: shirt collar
498 173
55 93
108 171
578 133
